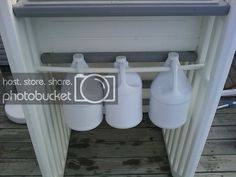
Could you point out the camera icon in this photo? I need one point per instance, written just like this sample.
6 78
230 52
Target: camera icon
94 88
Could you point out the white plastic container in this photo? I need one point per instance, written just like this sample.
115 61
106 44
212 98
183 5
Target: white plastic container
170 96
127 113
82 116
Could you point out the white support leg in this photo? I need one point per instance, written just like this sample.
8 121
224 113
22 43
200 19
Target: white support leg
214 85
42 129
212 80
217 58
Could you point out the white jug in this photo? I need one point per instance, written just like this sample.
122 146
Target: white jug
127 112
82 116
170 96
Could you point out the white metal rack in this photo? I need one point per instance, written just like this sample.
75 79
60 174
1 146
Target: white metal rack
205 27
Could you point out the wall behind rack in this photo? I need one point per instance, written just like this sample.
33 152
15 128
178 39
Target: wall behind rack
111 34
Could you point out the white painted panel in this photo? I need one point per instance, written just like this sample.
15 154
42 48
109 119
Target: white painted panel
116 34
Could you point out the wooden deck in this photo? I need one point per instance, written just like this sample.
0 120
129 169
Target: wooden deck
137 152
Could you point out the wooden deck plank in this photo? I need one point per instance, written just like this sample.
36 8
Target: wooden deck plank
117 166
220 147
223 174
14 135
227 132
143 134
169 175
220 174
226 111
107 135
224 120
234 61
107 150
19 167
89 150
84 166
17 151
218 163
5 123
228 82
228 120
110 175
221 119
232 72
145 123
112 150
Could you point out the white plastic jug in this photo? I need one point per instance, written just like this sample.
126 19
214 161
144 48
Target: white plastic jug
170 96
82 117
127 112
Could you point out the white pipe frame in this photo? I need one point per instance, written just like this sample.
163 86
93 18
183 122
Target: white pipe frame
50 136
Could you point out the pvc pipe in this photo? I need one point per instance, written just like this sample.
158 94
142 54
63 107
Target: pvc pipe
115 70
228 105
231 92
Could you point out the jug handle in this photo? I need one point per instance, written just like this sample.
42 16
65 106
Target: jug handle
122 64
174 68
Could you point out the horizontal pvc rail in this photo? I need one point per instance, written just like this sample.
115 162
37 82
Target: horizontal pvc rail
115 70
231 92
